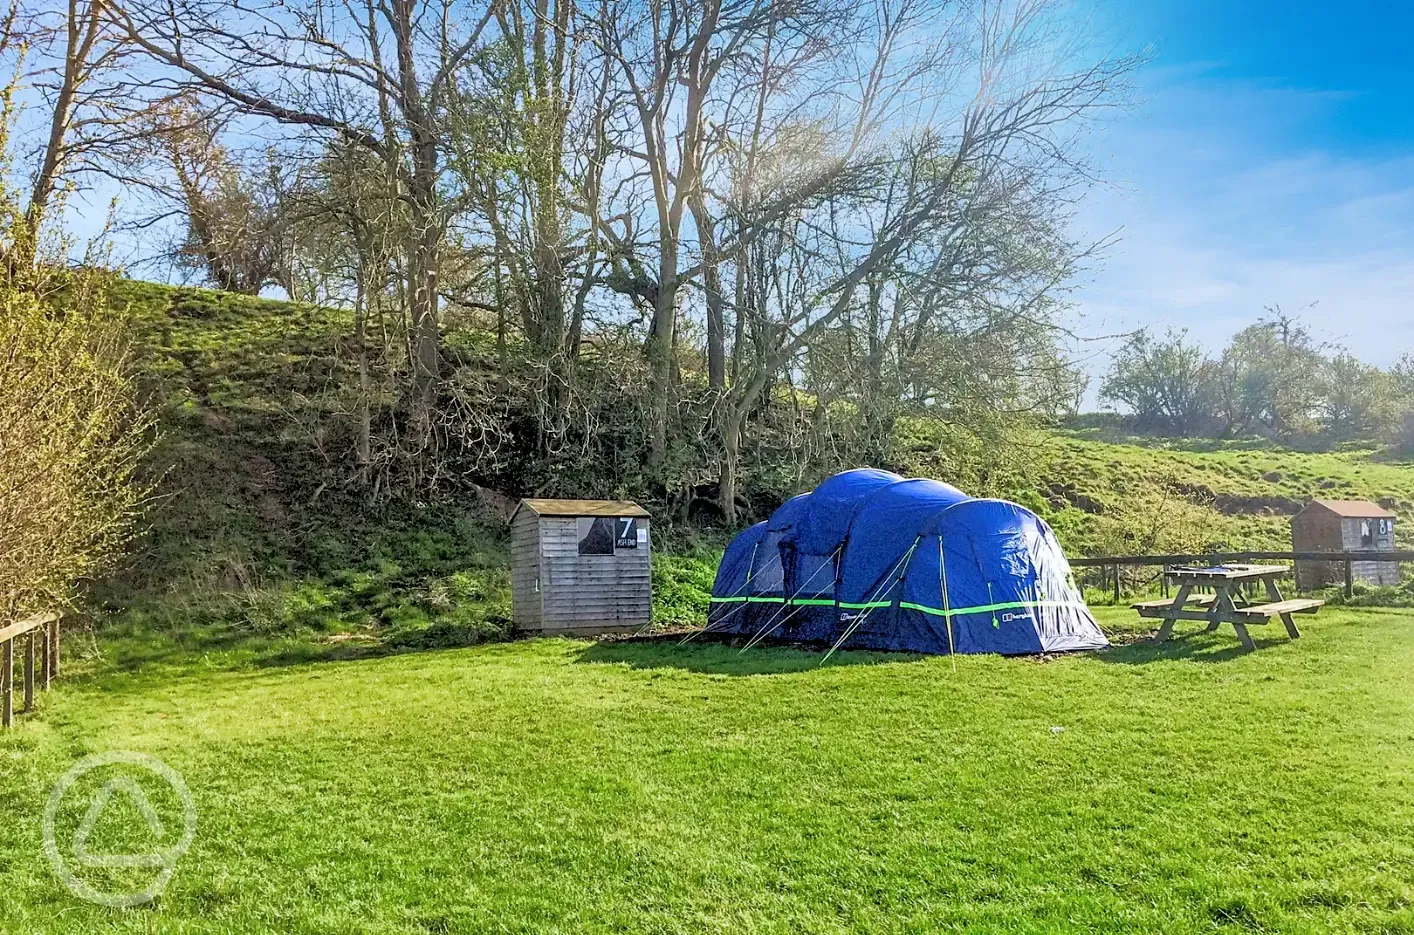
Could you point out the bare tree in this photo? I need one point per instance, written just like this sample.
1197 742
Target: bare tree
374 75
80 69
687 70
80 33
869 197
237 218
866 144
519 129
915 223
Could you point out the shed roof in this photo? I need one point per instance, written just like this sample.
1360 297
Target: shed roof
542 507
1356 509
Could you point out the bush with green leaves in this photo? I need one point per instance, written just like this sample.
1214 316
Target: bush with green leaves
72 433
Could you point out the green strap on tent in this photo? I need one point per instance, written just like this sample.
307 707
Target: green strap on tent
906 605
987 608
801 602
744 599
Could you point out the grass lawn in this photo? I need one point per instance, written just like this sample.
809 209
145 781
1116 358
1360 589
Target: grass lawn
560 786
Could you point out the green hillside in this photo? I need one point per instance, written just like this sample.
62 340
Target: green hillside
253 530
1128 494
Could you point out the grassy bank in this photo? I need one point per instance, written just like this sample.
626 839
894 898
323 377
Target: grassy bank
1108 493
256 531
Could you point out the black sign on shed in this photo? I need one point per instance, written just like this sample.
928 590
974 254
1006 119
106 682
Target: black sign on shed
626 528
603 535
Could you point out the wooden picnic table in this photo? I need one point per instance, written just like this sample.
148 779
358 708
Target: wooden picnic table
1226 604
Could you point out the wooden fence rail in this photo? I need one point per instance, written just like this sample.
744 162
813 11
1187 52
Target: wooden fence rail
41 636
1217 558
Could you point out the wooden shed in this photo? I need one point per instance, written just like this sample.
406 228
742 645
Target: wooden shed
580 567
1343 526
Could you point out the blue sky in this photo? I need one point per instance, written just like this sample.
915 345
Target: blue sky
1269 158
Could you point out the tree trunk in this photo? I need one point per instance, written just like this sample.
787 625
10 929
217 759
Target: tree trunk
727 476
81 34
739 315
425 235
875 399
363 444
422 287
712 286
661 339
47 179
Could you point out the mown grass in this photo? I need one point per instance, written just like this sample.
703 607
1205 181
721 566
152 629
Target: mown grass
648 787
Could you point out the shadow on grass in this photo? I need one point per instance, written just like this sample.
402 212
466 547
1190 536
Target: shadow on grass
307 653
204 650
717 657
1121 435
303 653
126 651
1195 646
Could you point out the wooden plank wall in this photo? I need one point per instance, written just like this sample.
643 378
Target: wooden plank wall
525 569
591 593
1370 572
1316 529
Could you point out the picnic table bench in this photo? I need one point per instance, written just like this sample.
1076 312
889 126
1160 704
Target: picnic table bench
1226 604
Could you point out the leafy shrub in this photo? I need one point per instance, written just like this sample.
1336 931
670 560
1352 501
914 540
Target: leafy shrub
71 435
682 588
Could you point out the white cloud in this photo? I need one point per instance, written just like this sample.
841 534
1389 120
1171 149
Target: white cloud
1222 214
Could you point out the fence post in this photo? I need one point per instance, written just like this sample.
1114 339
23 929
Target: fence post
1116 582
1349 577
29 670
45 653
7 677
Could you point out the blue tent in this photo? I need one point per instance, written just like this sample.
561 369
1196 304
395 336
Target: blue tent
870 560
